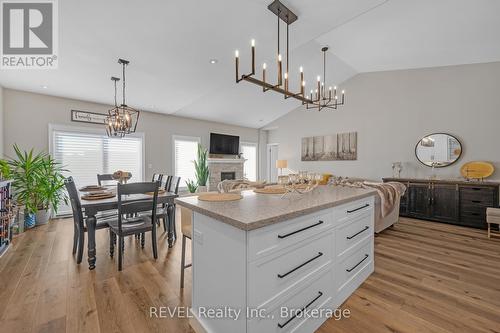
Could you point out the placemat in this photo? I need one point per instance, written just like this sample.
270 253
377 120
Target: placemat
217 197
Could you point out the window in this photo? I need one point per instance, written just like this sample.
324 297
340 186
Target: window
249 152
86 154
185 152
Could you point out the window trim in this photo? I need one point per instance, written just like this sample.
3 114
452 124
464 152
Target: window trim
186 138
92 130
256 145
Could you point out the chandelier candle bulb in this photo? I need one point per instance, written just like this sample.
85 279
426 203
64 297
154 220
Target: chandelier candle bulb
280 71
237 58
253 56
286 82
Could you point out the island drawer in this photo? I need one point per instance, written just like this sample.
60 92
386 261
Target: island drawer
355 263
353 209
353 232
272 275
267 240
280 317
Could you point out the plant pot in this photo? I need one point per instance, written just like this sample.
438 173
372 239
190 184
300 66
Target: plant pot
29 220
42 216
202 189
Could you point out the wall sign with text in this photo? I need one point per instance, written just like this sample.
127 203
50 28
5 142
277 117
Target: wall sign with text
88 117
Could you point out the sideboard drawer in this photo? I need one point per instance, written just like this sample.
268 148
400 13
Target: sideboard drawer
267 240
272 275
353 232
315 295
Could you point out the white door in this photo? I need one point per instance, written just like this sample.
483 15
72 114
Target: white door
272 157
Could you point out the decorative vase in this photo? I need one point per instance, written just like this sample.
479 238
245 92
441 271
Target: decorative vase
29 220
42 216
202 189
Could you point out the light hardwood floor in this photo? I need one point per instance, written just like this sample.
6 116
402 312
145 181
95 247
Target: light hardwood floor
429 277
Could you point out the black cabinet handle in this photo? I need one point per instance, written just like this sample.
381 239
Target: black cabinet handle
359 208
359 263
300 230
475 214
476 201
359 232
301 310
300 266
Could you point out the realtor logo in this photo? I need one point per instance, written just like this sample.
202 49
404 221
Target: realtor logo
29 34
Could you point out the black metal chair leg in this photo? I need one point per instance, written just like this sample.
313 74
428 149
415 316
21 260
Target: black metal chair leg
154 243
75 238
143 240
111 243
183 260
81 243
120 253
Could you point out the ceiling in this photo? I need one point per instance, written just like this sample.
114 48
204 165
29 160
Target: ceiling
170 43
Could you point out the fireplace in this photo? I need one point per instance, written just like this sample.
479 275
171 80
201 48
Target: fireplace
227 175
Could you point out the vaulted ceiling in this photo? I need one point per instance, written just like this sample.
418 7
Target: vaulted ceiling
170 44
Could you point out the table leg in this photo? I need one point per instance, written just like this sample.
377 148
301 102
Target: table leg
91 223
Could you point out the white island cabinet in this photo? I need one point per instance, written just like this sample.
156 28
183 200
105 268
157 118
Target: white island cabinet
283 268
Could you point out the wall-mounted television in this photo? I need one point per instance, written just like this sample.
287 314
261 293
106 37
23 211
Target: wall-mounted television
222 144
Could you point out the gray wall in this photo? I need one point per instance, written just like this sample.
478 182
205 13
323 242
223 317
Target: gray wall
392 110
27 115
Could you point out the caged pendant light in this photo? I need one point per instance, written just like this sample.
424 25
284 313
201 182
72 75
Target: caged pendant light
121 119
319 97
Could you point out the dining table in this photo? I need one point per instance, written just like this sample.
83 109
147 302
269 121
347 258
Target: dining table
92 207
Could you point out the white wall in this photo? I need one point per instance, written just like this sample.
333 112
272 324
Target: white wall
27 115
391 111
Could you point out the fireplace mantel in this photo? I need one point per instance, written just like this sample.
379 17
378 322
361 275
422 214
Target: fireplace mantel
226 160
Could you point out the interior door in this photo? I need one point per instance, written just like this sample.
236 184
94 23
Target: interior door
272 157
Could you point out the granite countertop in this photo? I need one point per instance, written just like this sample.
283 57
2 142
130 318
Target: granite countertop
460 181
259 210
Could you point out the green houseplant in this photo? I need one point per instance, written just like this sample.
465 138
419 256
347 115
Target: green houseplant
201 169
192 186
37 183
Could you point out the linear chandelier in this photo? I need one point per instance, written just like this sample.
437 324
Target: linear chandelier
319 98
121 119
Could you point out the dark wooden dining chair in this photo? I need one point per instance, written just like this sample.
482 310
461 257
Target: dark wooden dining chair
135 217
79 220
105 178
157 177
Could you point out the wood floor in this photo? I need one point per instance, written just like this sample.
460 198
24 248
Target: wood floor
429 277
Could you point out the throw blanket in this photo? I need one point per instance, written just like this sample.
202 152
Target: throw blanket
388 192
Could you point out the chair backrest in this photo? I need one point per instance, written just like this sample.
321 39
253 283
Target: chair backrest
146 202
174 185
105 177
165 182
157 177
76 205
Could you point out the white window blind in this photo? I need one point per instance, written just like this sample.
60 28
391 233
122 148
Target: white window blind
85 155
249 152
185 151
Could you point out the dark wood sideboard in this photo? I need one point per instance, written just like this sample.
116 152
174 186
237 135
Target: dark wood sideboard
457 202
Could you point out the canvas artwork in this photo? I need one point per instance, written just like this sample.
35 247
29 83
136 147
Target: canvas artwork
336 147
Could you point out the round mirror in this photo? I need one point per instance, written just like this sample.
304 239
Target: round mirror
438 150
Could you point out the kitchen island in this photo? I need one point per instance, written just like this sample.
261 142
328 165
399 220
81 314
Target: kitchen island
265 264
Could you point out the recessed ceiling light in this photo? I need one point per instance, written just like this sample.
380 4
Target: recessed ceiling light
45 87
214 61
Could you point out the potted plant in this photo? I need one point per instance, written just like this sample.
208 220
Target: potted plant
37 184
201 169
192 186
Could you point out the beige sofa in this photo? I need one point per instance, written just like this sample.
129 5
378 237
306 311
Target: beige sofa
382 223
